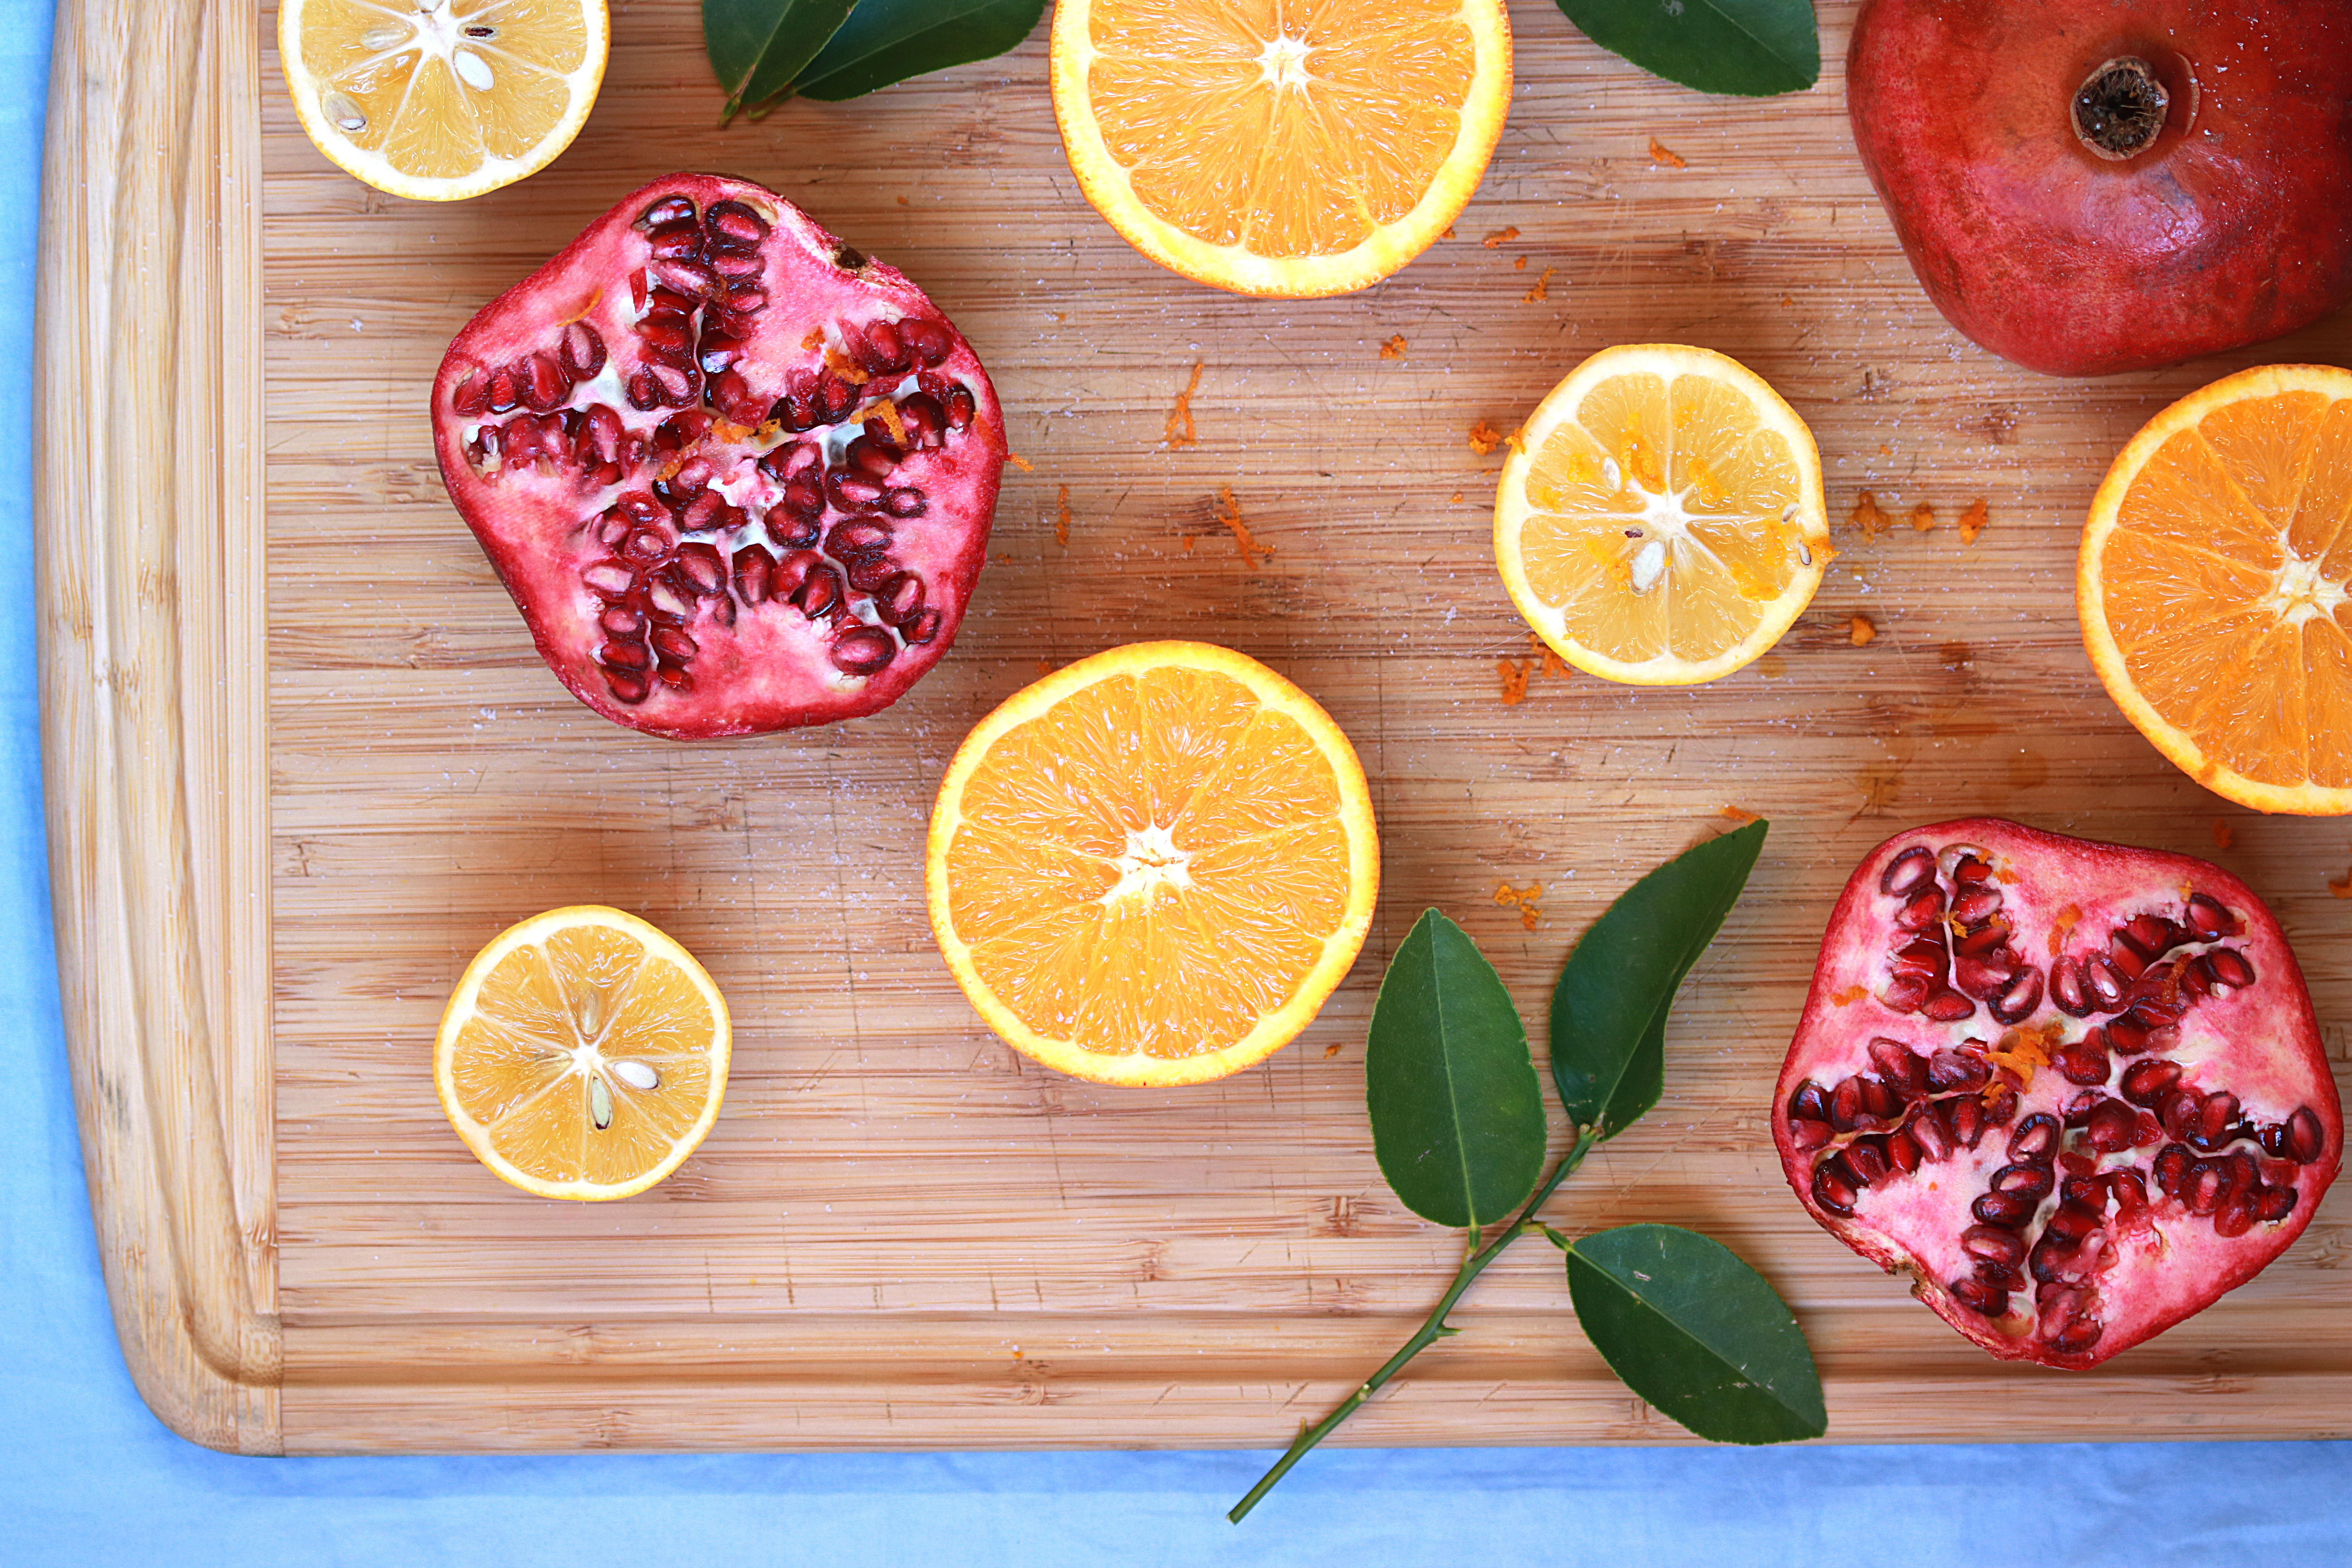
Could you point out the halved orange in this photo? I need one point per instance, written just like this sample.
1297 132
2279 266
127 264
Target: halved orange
1153 866
583 1055
2215 586
1659 519
1281 147
441 99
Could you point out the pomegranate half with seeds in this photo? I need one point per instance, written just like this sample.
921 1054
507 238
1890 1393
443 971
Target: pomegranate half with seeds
737 476
2075 1090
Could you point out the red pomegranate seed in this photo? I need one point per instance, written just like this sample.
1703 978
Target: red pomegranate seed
2229 967
2077 1336
1980 1297
1934 1137
2217 1120
2000 1104
1908 873
2110 1127
2275 1204
2015 1002
2084 1060
2036 1138
2002 1208
2103 983
1834 1189
2208 919
621 655
1991 1243
927 339
1923 911
1904 993
2147 1082
613 578
2305 1138
1948 1007
864 650
471 396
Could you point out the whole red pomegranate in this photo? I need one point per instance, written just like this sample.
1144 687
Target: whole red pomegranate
2075 1090
737 476
2095 185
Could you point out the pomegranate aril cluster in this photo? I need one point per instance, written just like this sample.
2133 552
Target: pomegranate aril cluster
711 498
2141 1137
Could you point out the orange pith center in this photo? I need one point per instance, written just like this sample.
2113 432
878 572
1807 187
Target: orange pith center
1151 865
1288 128
2228 587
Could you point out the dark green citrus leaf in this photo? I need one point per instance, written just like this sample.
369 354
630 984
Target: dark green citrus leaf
1456 1109
1696 1332
1752 48
757 46
887 41
1608 1010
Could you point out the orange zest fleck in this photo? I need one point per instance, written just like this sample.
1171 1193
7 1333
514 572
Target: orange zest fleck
1229 513
1523 899
1500 237
2224 835
1548 662
1394 348
1484 438
1520 264
1020 462
1457 499
1923 517
1045 666
1333 1049
1972 521
2022 1052
1740 815
1061 521
1866 516
2061 925
1542 289
1515 682
1860 630
1666 157
1180 431
1448 233
2342 890
1849 996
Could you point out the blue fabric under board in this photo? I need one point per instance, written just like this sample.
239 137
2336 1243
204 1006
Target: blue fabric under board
92 1479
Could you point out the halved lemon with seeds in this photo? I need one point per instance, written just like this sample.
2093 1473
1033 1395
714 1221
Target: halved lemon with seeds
441 99
1659 519
583 1055
1153 866
2215 586
1281 147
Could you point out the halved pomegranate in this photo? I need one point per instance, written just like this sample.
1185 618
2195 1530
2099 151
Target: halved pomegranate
2075 1090
737 476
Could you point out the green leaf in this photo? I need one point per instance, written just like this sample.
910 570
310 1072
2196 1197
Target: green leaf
1752 48
1696 1332
1608 1010
1458 1111
757 46
887 41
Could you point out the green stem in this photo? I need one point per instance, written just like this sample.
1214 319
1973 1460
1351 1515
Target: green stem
1432 1327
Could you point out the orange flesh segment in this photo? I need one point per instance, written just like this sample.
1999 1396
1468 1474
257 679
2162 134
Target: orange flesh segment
1152 866
1290 128
584 986
2223 586
1636 436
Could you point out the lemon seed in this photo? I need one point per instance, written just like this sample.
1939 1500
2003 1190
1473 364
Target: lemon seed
472 70
347 115
600 1102
636 1075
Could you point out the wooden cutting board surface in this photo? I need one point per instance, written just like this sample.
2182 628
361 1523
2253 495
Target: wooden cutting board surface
901 1233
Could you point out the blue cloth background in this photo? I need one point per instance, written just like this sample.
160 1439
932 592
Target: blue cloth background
92 1478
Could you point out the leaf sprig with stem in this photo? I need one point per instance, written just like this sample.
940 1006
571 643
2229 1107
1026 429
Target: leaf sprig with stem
1459 1129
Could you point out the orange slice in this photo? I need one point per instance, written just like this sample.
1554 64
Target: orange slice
1281 147
583 1055
1153 866
2215 586
441 99
1659 519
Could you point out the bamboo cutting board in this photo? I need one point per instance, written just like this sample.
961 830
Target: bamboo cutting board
303 761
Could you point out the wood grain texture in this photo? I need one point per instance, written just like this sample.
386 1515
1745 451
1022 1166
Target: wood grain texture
148 538
900 1234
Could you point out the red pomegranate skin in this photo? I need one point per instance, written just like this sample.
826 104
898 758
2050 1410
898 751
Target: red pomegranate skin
736 612
2094 1269
2232 227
